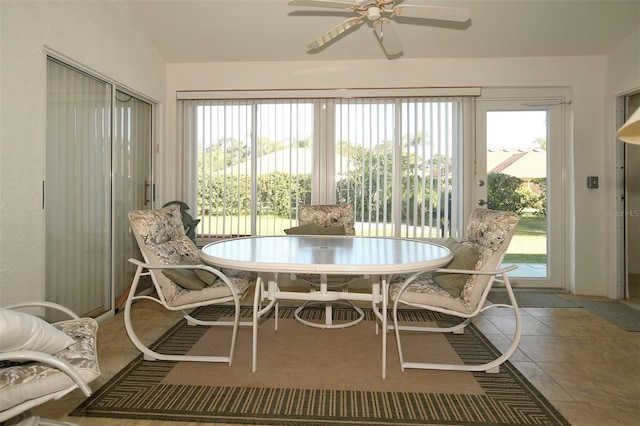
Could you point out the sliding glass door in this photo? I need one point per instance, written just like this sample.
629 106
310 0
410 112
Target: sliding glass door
98 164
249 163
77 196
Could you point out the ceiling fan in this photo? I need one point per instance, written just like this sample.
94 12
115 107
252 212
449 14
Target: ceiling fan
375 11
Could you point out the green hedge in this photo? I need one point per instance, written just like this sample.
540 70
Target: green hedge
231 195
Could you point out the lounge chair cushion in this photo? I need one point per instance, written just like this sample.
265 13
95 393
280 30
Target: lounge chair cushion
185 278
465 256
33 379
161 232
327 215
20 331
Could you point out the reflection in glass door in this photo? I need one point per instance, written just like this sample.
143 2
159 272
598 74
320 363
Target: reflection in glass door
132 182
518 158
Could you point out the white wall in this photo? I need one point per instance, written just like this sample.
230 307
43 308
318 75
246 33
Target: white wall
99 36
622 77
585 76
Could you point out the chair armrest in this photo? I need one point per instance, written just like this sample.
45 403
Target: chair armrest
51 361
209 268
44 304
217 272
476 272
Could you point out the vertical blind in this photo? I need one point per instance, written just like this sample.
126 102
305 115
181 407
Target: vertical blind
77 189
249 163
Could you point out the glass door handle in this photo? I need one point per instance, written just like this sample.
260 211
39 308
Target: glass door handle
481 202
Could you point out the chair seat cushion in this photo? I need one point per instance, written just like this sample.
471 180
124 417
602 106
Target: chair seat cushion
425 291
180 296
32 380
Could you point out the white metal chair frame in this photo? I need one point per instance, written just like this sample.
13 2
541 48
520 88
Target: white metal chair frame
49 360
491 269
146 268
490 367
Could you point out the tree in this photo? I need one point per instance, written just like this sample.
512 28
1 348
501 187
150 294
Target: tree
540 143
505 192
502 192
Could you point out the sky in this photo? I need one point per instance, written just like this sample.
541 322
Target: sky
515 129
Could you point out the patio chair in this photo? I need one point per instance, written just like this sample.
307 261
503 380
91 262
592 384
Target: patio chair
461 288
180 279
40 362
327 219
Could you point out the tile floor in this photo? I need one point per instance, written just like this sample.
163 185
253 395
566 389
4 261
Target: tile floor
588 368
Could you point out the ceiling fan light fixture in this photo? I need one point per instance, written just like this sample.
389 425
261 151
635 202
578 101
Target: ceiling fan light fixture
373 13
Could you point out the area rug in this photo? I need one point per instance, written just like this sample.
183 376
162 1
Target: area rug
613 311
309 376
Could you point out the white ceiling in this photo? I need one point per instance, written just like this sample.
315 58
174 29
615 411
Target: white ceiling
271 30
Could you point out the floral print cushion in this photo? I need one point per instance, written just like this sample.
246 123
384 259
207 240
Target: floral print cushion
31 380
490 231
490 228
327 215
162 241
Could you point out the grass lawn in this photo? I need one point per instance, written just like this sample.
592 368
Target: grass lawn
529 244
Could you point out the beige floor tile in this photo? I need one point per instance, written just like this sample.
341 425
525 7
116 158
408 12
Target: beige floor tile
551 389
597 414
531 326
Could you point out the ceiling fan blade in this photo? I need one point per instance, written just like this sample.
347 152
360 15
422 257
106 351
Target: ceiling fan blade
334 32
388 38
324 3
457 14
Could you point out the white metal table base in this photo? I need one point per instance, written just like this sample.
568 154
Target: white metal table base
328 308
328 315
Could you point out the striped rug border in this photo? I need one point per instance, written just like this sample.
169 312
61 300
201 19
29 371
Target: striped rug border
136 392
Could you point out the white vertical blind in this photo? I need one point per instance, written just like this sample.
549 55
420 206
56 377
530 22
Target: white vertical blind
251 161
77 190
392 158
396 163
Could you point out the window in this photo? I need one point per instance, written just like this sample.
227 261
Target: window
251 162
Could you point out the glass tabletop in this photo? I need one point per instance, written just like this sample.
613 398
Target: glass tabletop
326 254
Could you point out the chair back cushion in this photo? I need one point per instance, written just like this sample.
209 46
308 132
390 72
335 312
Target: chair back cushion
491 231
327 215
465 256
162 241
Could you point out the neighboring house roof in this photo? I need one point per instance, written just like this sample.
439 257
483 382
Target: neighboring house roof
294 161
523 164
